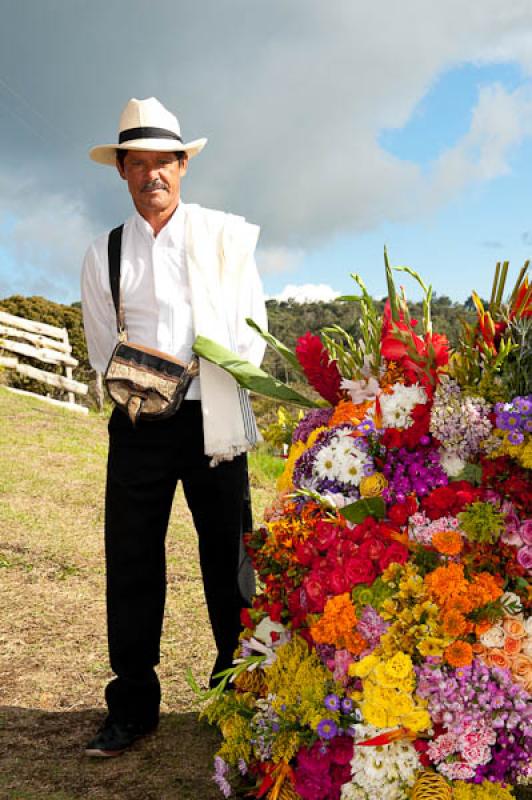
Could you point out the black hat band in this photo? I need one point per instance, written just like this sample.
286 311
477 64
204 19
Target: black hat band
147 133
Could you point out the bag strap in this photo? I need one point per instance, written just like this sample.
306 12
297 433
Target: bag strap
114 250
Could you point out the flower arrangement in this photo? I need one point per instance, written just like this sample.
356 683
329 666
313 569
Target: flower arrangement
389 651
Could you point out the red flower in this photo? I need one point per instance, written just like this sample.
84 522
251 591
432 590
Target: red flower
449 500
245 618
395 553
322 373
400 512
313 585
360 571
414 354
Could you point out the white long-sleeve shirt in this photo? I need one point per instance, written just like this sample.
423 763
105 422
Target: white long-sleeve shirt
155 295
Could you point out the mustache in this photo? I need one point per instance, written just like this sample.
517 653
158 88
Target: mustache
154 184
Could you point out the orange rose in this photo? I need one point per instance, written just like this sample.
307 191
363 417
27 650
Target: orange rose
497 658
522 667
512 646
514 627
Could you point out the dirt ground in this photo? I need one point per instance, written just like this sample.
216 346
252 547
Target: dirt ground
53 660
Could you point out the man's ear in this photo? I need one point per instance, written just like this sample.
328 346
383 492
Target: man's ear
183 166
120 169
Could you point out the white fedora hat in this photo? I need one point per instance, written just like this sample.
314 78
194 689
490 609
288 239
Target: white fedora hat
146 125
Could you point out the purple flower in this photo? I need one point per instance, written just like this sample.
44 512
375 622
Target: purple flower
327 729
332 702
347 705
221 768
516 437
316 418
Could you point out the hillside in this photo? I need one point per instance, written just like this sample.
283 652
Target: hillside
53 639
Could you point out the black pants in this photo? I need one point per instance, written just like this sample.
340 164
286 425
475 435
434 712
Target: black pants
145 463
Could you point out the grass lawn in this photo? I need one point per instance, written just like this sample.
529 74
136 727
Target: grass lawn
53 659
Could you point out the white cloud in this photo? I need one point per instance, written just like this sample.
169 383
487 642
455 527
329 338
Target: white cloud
307 293
274 260
44 235
293 97
500 121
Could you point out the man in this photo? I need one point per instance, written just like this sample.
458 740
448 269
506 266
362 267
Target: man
185 271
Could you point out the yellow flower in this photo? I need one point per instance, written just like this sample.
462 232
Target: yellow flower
394 670
373 485
362 668
284 481
375 714
417 720
314 435
431 646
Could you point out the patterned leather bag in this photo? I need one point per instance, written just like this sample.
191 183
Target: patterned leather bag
143 382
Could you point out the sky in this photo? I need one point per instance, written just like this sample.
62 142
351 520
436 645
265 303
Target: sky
339 127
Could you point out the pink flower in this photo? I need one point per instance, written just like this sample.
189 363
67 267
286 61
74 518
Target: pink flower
526 531
524 557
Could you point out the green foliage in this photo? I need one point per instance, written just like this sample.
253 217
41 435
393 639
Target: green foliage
481 522
361 509
38 309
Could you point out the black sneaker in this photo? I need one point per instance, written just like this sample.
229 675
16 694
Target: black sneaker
114 738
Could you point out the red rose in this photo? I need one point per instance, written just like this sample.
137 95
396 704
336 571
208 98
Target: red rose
371 549
305 553
275 612
360 571
400 512
313 586
325 533
395 553
337 582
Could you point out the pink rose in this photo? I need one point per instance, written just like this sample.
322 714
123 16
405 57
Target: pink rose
526 531
524 557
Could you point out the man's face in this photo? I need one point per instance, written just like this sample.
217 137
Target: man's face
153 179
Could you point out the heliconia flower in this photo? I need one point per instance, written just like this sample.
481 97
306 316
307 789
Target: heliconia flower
322 373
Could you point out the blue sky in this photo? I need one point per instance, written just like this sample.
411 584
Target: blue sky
338 129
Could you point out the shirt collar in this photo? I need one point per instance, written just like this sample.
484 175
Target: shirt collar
172 232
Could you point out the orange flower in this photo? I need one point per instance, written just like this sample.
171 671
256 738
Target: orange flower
512 646
482 626
449 543
497 658
522 667
346 411
445 581
458 654
337 626
514 627
455 624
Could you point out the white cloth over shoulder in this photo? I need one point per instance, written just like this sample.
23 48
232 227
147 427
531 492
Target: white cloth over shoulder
222 277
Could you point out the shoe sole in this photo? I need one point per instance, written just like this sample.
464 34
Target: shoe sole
94 752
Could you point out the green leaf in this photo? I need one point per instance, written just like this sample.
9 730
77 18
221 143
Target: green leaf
278 346
367 507
248 375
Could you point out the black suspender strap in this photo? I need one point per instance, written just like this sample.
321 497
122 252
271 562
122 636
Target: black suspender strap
114 249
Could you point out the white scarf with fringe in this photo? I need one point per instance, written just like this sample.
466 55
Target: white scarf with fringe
218 248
